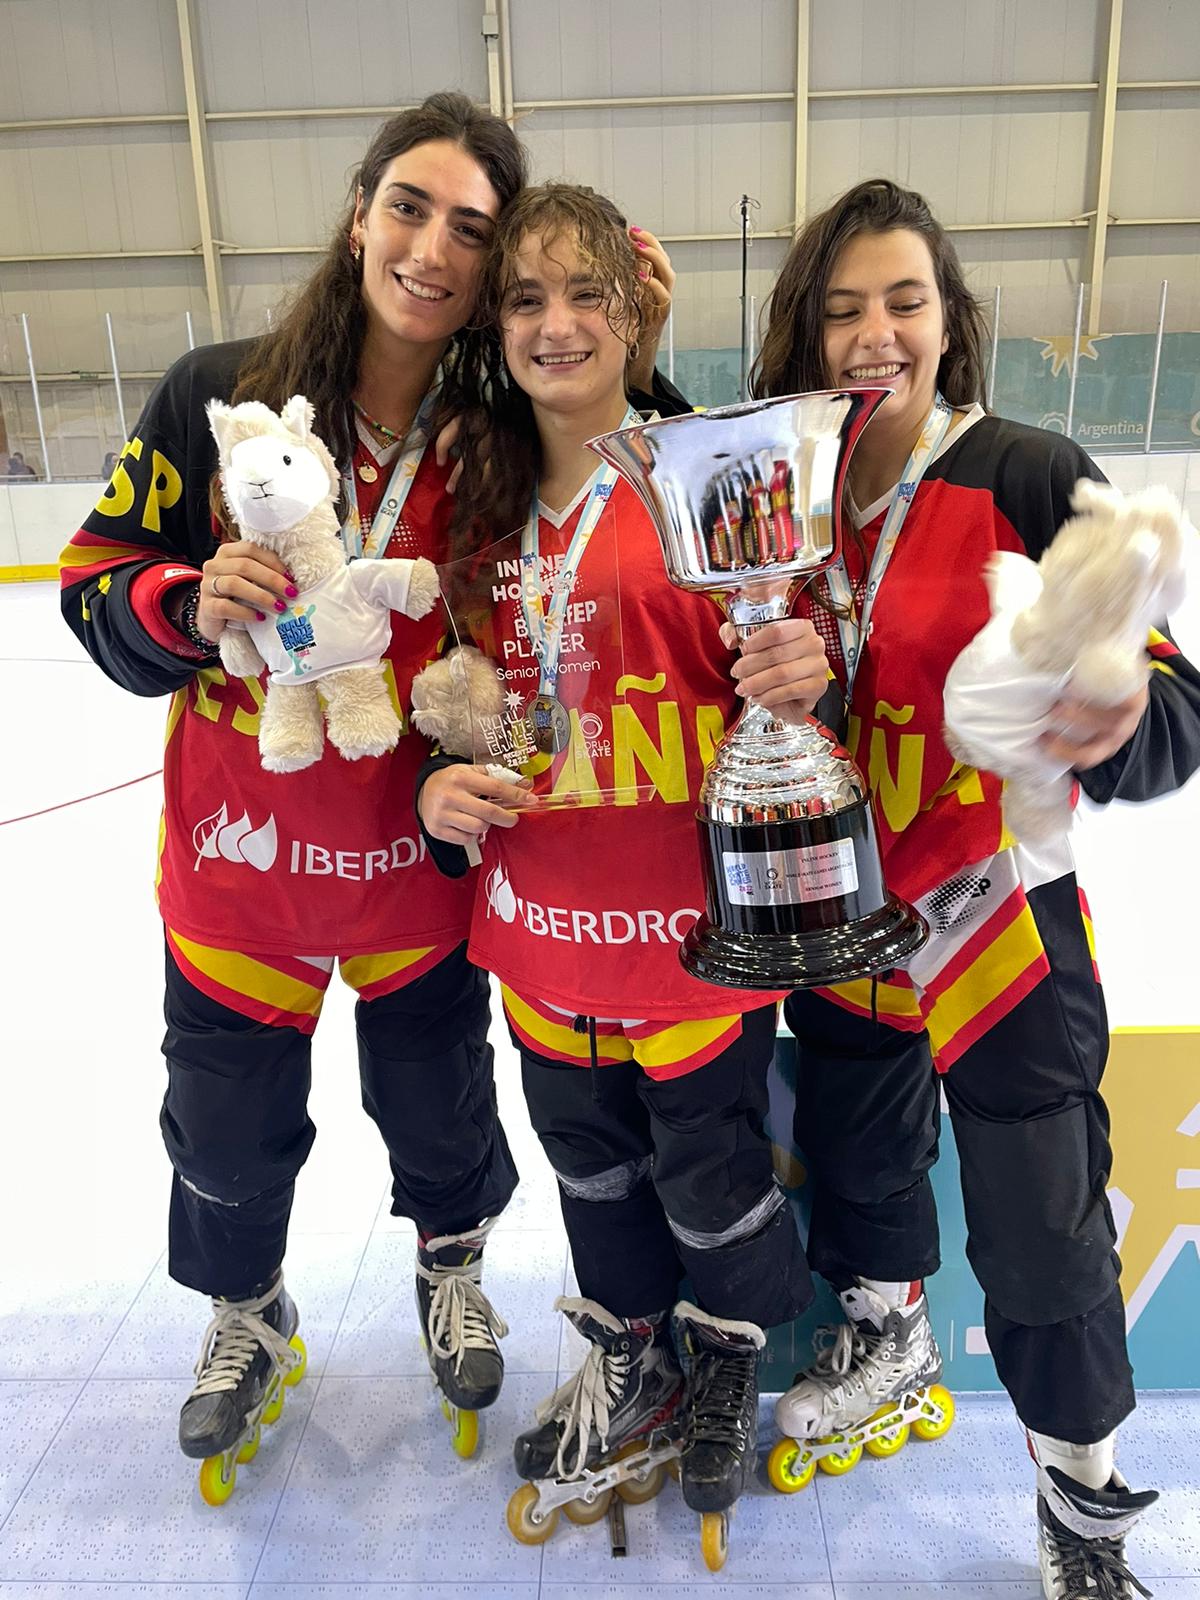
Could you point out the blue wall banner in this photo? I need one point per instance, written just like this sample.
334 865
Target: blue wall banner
1152 1086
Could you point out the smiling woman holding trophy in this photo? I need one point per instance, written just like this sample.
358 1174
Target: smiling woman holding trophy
646 1086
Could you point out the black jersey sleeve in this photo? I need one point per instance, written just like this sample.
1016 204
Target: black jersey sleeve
1037 473
154 513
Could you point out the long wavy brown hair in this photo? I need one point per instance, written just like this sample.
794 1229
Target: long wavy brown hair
315 348
792 357
502 454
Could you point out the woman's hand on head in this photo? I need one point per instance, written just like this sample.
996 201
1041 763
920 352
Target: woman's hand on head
656 271
1083 734
239 583
459 804
782 666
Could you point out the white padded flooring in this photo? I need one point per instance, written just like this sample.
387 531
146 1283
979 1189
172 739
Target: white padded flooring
355 1493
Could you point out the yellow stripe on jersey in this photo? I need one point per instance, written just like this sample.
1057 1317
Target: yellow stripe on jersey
560 1037
361 971
91 555
995 968
253 979
891 999
1090 933
679 1041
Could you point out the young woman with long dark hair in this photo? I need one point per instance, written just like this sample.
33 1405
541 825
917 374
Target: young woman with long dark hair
1005 997
265 880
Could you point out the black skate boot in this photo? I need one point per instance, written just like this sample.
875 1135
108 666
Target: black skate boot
610 1427
250 1351
460 1329
720 1406
1081 1536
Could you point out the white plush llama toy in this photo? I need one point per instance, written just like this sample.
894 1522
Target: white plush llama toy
280 485
1076 621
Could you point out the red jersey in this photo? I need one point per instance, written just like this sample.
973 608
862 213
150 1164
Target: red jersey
328 860
585 906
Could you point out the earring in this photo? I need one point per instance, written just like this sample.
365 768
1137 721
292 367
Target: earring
633 350
355 249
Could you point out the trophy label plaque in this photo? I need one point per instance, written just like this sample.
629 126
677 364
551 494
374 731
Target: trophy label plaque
790 877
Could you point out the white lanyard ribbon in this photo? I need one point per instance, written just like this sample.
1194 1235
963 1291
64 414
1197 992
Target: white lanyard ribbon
404 474
854 630
545 625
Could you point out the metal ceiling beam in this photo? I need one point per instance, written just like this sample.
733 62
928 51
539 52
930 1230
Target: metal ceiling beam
800 153
1102 195
198 139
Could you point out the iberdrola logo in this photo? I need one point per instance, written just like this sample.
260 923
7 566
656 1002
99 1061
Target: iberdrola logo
500 896
240 842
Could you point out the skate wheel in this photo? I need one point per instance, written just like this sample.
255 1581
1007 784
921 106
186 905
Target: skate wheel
521 1514
841 1462
637 1491
929 1428
464 1440
294 1375
274 1406
218 1476
889 1442
583 1514
787 1469
250 1449
714 1539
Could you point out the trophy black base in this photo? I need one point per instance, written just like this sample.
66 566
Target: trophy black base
869 945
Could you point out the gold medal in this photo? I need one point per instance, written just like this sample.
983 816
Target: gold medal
368 472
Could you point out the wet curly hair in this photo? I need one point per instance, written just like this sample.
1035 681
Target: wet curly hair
500 447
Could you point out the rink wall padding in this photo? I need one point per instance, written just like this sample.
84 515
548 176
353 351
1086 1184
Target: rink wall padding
1152 1085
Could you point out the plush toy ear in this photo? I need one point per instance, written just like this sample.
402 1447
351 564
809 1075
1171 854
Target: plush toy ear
297 416
220 420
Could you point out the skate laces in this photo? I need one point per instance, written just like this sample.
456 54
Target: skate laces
233 1338
718 1393
461 1317
1092 1569
585 1403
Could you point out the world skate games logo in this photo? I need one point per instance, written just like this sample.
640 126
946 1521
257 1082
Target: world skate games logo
577 925
243 841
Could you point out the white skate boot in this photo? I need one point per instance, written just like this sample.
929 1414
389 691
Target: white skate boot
1081 1530
874 1380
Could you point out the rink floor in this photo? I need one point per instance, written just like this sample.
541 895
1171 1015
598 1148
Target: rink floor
356 1492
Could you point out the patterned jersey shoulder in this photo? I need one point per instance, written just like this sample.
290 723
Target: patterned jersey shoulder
1030 474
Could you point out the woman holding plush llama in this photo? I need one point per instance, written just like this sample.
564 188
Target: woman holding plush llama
647 1088
265 880
1005 994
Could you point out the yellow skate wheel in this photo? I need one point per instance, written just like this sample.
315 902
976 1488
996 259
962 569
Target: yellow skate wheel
218 1476
583 1514
714 1539
274 1406
301 1367
886 1444
841 1462
637 1491
787 1469
520 1517
929 1427
465 1439
250 1449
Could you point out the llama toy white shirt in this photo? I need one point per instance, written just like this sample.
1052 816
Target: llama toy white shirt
342 621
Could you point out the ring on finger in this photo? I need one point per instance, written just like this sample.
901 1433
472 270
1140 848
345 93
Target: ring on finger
217 595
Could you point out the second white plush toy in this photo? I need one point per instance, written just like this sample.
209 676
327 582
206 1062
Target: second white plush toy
1077 621
281 487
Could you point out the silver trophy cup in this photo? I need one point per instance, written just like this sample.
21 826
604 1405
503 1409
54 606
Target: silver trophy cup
747 504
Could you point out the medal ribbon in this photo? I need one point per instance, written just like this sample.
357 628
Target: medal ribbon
403 476
854 629
545 627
